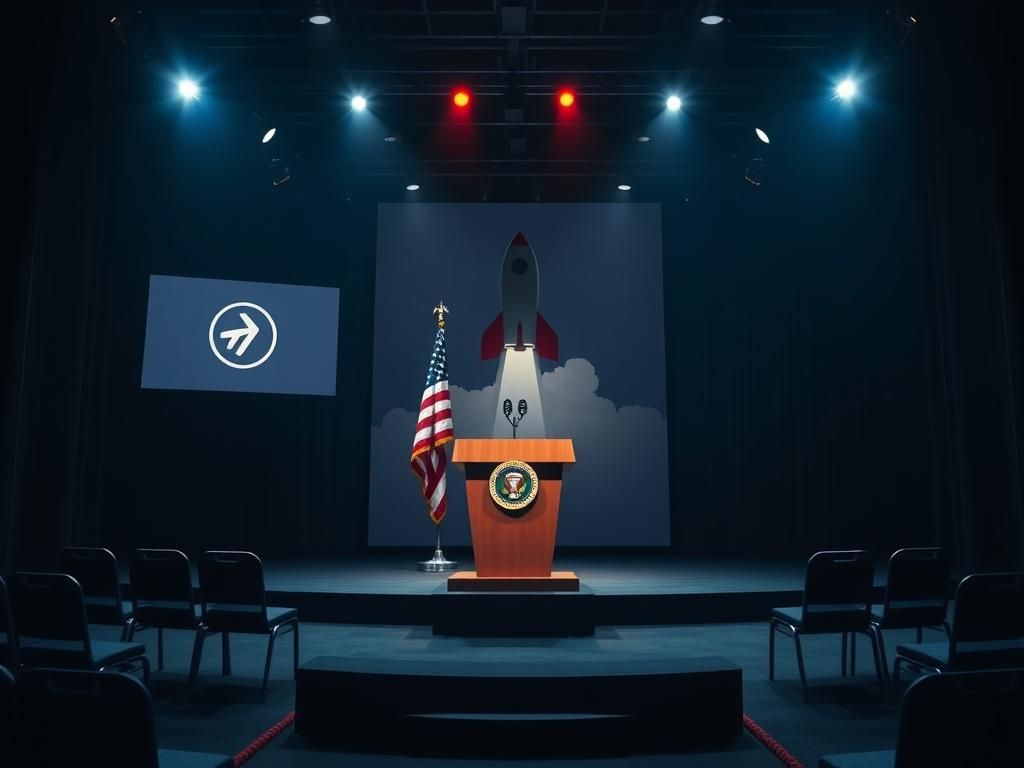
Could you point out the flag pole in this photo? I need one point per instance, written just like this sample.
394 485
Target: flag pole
439 562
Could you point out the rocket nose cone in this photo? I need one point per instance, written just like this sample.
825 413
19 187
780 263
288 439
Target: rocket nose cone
519 240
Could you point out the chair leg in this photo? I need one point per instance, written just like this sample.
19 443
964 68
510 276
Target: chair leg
800 665
225 659
266 666
842 663
896 672
159 647
126 630
882 654
771 650
295 649
853 654
879 663
145 670
197 655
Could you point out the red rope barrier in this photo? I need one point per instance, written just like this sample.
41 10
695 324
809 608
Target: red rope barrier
771 744
277 729
265 738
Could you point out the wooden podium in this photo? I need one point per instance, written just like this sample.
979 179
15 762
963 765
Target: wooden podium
513 551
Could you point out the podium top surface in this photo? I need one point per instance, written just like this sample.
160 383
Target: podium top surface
499 449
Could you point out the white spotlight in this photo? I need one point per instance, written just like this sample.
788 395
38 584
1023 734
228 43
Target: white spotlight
358 103
320 19
269 135
711 19
762 135
846 90
412 187
624 187
673 103
188 89
643 139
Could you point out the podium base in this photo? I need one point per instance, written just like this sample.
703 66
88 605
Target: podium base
558 581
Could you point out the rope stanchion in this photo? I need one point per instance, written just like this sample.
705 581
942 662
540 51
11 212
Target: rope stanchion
771 744
265 738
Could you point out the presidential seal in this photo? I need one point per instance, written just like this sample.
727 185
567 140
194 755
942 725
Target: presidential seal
514 486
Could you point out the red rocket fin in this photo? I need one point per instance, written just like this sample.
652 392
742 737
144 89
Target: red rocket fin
547 339
493 340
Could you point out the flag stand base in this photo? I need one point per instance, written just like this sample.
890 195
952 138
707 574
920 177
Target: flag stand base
437 563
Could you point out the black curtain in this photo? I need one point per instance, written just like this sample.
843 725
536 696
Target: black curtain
843 341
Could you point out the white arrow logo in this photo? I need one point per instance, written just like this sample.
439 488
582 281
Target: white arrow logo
242 337
246 334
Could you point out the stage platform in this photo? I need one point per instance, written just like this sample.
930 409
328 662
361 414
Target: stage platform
556 699
623 589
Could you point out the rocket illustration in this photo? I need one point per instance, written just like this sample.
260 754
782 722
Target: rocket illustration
519 325
519 336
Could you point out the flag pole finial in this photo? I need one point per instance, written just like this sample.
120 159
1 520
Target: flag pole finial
440 311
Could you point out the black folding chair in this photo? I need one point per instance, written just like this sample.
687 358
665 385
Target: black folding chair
73 718
96 571
235 600
838 587
8 637
916 595
987 631
52 630
963 719
7 697
163 598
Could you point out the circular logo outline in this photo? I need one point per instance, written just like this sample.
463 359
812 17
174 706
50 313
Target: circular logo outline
521 504
273 335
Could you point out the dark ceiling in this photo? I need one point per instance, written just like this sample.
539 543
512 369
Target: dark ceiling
622 57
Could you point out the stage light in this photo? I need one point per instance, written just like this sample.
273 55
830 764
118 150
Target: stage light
358 103
391 138
460 98
711 14
762 135
188 90
643 139
673 103
412 187
624 187
846 89
269 135
320 13
566 98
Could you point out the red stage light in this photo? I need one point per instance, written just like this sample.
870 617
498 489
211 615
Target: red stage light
566 98
460 98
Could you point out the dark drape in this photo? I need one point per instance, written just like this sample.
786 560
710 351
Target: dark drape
842 343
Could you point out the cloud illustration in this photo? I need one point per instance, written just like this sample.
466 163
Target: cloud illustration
615 494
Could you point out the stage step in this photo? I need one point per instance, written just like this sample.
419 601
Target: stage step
513 614
518 706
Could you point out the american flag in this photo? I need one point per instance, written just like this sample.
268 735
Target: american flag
433 430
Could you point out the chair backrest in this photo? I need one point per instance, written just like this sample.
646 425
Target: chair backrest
74 717
917 588
837 591
961 719
988 622
95 569
6 711
234 595
162 593
50 606
8 637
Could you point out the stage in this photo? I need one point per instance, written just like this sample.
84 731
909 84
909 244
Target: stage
624 589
